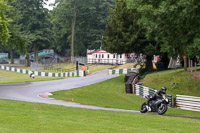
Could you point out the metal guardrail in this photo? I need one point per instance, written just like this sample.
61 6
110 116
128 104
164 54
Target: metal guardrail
78 73
188 102
57 69
106 61
122 71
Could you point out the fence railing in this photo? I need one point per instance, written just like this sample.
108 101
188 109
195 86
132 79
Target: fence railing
122 71
36 67
106 61
78 73
188 102
144 91
79 59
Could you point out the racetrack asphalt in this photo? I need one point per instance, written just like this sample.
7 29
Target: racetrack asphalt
38 91
35 91
3 78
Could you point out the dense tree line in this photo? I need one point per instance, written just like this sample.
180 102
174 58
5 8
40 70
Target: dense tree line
4 22
70 28
168 28
79 24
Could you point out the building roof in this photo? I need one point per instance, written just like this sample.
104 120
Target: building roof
96 51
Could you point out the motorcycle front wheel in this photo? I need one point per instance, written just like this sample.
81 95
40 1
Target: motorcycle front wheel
162 109
143 108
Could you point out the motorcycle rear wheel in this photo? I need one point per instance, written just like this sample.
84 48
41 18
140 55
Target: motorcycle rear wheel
143 108
162 109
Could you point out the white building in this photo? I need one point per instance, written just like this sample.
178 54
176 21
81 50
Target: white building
103 57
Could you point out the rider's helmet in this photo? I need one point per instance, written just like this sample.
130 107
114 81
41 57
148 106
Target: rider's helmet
163 90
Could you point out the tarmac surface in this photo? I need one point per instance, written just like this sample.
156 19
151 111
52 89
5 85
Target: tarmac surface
38 92
3 78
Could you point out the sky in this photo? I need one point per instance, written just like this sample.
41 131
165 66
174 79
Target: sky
49 1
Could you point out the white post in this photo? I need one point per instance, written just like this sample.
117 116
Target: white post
191 66
195 69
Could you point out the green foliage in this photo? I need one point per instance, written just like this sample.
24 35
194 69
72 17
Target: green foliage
120 29
33 23
125 35
90 22
16 40
173 24
4 22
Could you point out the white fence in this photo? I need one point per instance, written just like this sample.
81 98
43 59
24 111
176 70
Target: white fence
106 61
123 71
47 74
188 102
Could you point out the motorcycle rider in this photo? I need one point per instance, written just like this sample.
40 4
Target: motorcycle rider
158 94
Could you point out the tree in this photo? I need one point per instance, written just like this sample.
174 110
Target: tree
16 41
173 24
35 24
79 23
124 35
4 22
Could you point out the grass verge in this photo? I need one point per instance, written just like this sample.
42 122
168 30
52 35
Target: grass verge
95 68
22 117
110 93
176 81
21 78
72 67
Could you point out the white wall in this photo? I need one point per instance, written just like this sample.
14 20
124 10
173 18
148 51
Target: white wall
102 57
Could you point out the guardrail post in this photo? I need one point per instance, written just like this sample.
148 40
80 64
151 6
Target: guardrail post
133 86
173 102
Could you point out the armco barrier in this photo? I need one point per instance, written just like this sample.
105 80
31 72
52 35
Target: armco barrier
188 102
122 71
144 91
67 74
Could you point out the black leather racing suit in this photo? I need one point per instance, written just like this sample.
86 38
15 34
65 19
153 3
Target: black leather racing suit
156 95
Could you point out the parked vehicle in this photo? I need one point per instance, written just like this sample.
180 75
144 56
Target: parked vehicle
159 105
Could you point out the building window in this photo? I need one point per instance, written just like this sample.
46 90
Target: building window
108 56
96 55
99 55
120 56
113 55
102 55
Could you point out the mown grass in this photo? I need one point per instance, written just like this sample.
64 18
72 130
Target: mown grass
176 81
94 68
23 117
127 65
15 77
67 66
131 65
111 93
72 67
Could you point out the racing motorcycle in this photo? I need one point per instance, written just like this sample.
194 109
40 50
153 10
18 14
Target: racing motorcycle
159 105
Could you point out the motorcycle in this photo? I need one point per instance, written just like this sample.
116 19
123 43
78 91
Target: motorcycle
159 105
